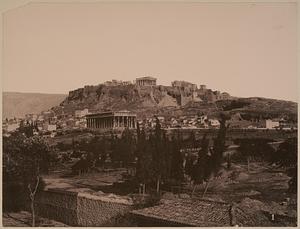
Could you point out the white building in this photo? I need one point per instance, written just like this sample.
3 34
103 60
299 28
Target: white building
214 123
12 127
270 124
50 127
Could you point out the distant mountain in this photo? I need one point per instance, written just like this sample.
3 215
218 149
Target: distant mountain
16 104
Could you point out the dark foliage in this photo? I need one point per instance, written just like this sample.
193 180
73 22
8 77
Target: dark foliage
235 104
24 160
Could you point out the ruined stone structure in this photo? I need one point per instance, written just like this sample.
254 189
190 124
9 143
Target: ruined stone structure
146 81
184 84
113 83
111 120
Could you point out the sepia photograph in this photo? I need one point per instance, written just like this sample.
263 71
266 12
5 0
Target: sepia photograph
149 114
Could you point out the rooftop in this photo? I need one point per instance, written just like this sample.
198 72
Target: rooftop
200 212
111 113
189 212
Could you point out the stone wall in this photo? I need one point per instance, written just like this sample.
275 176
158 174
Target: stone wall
82 209
96 211
58 205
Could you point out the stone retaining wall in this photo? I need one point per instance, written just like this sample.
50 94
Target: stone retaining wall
81 209
58 205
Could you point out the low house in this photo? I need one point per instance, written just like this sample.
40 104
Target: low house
270 124
50 127
11 127
214 123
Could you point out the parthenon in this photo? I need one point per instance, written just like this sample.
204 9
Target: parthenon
111 120
146 81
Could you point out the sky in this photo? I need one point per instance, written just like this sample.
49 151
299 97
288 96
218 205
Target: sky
246 49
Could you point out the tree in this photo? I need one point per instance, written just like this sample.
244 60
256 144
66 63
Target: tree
144 170
210 158
286 157
158 155
199 172
254 148
24 160
176 170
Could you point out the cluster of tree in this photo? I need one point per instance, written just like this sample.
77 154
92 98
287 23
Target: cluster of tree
210 157
25 158
283 156
159 159
286 156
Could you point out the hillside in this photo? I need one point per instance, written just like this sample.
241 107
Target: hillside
17 104
170 101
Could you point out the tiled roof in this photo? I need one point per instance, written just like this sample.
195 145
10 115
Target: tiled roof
189 212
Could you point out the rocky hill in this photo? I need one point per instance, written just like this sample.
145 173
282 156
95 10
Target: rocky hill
17 104
170 101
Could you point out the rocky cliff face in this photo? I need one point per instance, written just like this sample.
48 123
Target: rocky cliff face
167 100
127 97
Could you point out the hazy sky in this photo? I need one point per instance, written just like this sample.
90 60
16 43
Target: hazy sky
245 49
